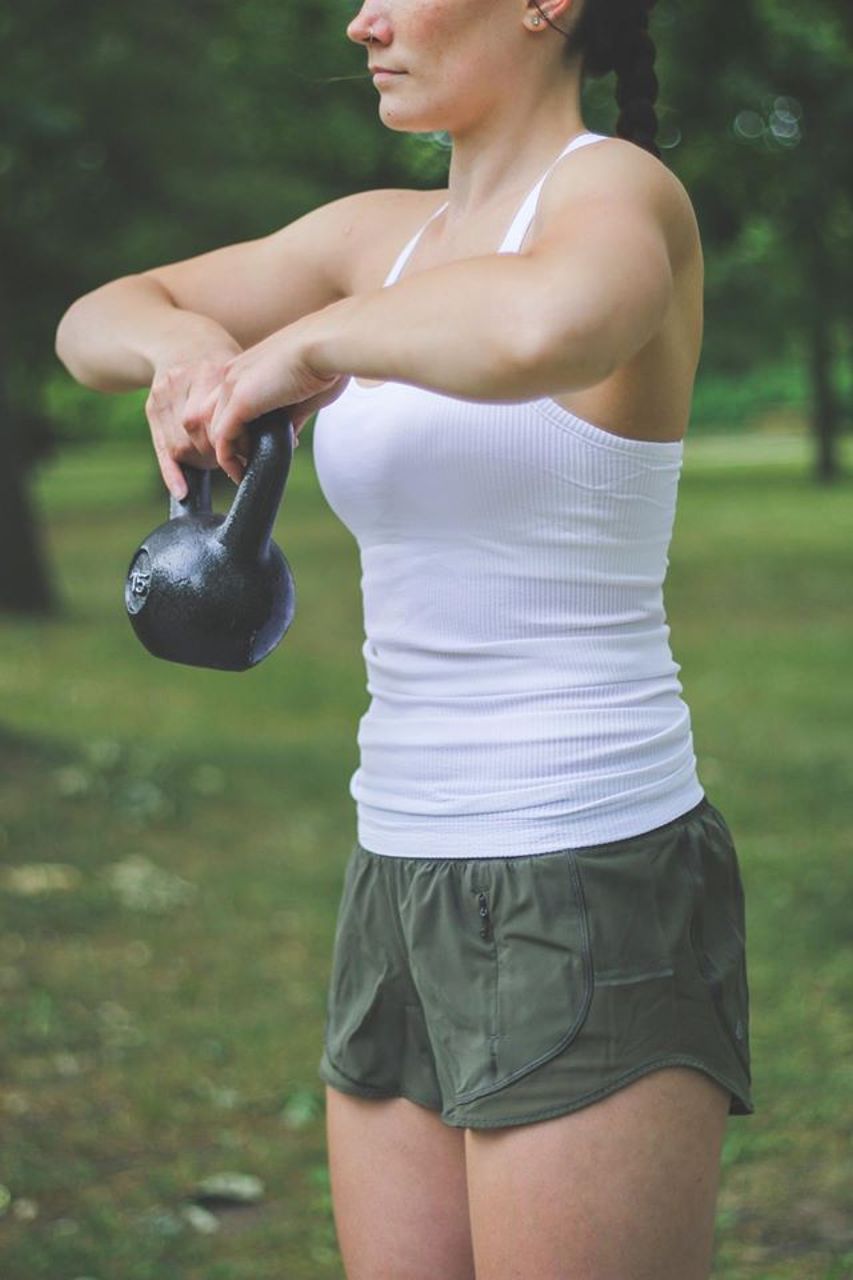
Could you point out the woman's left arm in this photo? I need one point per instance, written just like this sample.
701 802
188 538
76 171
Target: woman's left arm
591 292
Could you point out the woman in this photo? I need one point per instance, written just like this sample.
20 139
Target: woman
538 1008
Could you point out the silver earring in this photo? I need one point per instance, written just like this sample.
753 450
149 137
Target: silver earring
537 20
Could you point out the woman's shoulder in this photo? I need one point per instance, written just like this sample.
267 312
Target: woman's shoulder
625 174
379 223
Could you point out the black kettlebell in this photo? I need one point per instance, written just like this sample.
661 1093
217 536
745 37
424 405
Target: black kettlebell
212 590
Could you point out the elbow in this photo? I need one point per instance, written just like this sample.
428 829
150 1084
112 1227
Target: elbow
68 344
62 343
70 341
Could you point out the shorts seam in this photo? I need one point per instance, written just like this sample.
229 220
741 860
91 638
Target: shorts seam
705 963
611 1087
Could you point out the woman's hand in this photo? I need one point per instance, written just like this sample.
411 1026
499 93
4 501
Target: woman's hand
272 374
176 413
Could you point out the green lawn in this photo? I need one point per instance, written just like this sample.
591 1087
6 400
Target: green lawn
163 1004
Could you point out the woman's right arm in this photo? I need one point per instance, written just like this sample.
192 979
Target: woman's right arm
113 338
173 328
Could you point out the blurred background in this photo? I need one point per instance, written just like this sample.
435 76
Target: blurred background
172 840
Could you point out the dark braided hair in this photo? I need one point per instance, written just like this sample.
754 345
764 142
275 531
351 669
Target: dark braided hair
613 35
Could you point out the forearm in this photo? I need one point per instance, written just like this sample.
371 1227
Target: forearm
113 338
465 329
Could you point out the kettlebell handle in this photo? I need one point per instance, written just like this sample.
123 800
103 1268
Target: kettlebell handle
249 523
196 500
248 527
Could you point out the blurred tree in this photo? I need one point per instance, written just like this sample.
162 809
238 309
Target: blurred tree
138 134
97 108
764 96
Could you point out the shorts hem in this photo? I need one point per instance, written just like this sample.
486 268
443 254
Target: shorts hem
743 1100
343 1084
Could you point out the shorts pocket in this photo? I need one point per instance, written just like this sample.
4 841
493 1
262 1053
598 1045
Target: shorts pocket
356 1036
718 929
625 883
507 970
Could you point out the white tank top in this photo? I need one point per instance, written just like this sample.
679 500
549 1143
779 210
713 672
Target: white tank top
523 695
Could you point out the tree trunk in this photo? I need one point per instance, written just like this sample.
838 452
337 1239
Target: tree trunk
25 583
826 409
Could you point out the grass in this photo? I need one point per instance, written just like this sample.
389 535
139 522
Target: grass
163 1002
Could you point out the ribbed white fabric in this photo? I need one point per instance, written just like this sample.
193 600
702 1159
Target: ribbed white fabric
524 697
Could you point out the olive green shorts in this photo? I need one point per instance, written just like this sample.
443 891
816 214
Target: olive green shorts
499 991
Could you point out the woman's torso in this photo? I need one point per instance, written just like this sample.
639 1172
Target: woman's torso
524 696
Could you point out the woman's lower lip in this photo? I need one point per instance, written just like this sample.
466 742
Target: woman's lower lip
387 75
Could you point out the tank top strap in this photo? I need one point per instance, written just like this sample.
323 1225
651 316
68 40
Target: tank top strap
518 227
408 250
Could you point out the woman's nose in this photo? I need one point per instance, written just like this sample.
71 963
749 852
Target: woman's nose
369 26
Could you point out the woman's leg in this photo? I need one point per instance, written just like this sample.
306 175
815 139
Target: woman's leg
399 1192
622 1189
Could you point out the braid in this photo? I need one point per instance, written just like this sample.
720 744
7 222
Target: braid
613 35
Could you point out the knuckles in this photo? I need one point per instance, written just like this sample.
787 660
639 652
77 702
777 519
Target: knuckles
209 425
188 454
194 420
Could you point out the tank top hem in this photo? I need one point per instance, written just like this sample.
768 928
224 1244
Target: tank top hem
517 833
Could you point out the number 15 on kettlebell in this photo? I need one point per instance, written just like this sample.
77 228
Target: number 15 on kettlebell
214 590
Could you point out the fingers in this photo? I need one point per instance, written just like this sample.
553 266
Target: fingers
215 403
202 396
179 409
207 405
228 435
173 476
231 460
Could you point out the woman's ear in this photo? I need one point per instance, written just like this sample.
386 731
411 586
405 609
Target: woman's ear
554 14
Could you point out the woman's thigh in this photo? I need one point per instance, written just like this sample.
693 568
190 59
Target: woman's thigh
399 1193
622 1189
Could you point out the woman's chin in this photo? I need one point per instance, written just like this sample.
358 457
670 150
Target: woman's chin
393 117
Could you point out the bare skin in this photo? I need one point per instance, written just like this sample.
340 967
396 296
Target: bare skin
650 396
622 1189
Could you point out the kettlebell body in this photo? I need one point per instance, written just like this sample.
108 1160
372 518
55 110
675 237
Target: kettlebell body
214 590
